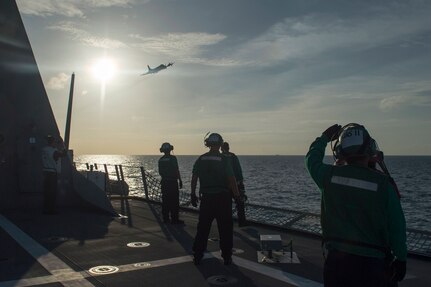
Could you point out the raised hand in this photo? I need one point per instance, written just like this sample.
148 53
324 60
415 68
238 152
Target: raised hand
332 132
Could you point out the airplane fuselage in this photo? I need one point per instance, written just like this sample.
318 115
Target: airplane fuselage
157 69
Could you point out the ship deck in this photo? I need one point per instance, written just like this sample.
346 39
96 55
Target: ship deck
61 249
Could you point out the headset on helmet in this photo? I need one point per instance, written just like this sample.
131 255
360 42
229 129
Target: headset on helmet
166 147
354 140
213 139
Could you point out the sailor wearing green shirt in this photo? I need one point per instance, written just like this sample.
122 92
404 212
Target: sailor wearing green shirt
363 224
168 170
237 170
216 182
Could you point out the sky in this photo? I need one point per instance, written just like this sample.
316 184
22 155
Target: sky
269 76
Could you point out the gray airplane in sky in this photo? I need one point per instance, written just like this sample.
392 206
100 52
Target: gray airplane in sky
157 69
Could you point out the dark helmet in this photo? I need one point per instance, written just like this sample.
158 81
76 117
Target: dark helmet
225 146
354 141
213 139
166 147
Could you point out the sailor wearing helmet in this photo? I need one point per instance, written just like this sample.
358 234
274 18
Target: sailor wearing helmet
362 220
216 182
171 180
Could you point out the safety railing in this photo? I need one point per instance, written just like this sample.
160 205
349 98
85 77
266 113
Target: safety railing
144 184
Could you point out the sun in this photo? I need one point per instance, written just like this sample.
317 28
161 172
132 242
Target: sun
104 69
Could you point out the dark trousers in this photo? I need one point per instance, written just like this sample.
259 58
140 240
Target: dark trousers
170 200
343 269
215 206
49 191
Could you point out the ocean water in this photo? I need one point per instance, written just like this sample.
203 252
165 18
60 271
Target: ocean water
283 181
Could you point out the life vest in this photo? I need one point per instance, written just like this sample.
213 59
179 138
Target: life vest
211 170
354 211
168 167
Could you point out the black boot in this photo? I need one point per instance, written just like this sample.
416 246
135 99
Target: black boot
227 260
197 258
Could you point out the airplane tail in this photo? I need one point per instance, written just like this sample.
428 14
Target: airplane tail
148 67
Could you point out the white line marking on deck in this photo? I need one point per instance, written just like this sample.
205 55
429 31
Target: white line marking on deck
275 273
244 263
247 264
62 273
60 270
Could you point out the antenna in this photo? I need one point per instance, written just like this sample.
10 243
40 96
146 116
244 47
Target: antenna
69 113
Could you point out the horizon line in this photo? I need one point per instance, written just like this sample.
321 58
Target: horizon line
235 154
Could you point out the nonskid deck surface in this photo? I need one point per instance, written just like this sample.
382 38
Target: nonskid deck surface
64 249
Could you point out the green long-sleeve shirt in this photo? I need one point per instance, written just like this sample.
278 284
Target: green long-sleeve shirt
358 204
236 166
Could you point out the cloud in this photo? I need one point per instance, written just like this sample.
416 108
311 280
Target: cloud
58 82
306 37
87 38
394 102
415 93
400 101
299 38
188 47
69 8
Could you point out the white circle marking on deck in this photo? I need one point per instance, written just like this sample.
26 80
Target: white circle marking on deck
103 270
138 244
49 261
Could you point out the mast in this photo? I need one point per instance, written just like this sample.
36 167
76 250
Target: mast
69 113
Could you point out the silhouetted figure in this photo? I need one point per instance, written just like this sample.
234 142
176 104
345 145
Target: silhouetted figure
50 162
171 181
363 225
216 177
237 170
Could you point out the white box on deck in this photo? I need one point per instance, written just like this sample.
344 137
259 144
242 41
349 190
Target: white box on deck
271 242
